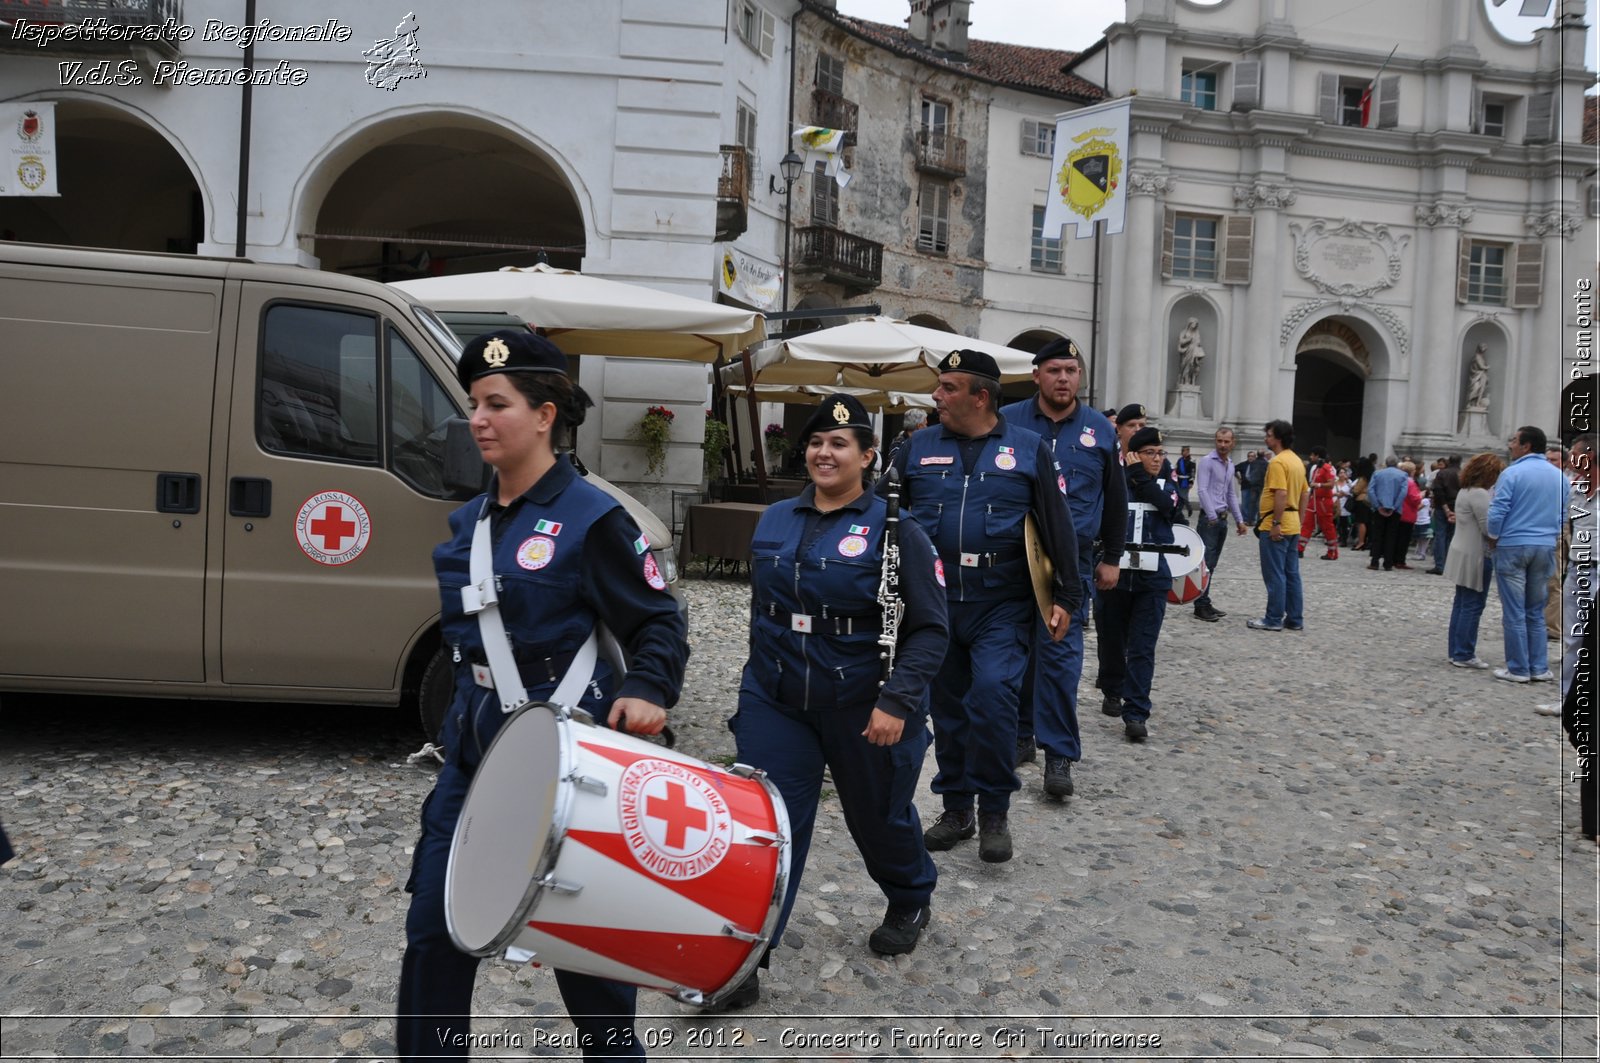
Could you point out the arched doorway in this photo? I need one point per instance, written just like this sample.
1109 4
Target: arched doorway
930 321
1332 365
121 184
445 196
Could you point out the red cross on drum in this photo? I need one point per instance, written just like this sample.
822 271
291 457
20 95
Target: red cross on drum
332 528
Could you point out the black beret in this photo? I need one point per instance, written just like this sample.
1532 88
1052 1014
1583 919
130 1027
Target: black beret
835 412
1144 437
508 351
1131 412
1058 348
1110 413
975 362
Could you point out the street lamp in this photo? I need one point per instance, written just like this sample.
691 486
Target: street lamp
790 166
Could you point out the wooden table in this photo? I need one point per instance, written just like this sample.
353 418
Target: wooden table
720 530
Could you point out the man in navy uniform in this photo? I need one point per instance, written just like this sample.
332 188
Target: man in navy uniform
1084 444
970 484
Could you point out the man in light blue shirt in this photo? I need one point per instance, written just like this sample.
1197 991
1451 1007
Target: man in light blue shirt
1385 493
1524 523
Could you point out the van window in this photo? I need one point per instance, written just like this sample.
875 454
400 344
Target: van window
418 410
319 383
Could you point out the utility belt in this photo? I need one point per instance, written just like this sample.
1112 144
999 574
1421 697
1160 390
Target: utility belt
992 559
533 666
806 624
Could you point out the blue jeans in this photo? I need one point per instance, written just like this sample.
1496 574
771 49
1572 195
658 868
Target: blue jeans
1280 571
1522 576
1443 532
1465 613
1214 533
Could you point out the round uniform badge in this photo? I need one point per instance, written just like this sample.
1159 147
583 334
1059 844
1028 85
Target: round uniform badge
852 546
1005 461
1087 438
535 553
652 573
332 528
676 824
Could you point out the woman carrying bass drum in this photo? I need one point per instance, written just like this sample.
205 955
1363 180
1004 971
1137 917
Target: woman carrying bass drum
565 556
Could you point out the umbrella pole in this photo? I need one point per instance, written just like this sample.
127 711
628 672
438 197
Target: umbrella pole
755 431
720 404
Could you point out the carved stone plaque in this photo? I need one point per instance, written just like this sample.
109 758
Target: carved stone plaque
1348 259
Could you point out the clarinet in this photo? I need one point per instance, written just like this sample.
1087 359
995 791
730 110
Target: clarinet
889 584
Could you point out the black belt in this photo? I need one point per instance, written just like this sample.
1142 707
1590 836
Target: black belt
854 624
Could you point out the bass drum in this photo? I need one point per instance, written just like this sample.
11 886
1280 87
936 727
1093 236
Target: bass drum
594 851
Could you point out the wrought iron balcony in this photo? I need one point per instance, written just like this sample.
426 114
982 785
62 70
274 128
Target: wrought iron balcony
839 257
733 192
832 111
941 153
91 27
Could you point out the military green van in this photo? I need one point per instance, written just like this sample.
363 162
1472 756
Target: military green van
224 479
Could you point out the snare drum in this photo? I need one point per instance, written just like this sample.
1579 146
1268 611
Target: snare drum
593 851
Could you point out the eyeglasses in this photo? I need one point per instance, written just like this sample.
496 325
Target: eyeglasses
1147 452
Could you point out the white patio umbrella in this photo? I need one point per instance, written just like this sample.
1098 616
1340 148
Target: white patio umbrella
583 314
878 353
811 394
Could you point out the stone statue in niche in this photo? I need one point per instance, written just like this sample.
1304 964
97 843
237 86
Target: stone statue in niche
1478 379
1190 354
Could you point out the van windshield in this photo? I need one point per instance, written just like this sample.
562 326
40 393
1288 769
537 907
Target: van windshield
438 330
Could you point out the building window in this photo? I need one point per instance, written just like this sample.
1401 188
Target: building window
1486 274
1493 122
935 116
756 27
744 135
1038 138
1046 256
1350 109
824 198
830 73
1194 247
933 222
1199 89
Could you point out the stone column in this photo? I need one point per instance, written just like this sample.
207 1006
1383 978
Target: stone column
1541 366
1265 389
1433 415
1136 359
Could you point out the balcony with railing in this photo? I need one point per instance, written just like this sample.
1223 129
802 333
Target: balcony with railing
733 192
832 111
92 27
941 153
838 257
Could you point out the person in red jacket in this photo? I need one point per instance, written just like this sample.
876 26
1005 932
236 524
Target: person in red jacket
1323 506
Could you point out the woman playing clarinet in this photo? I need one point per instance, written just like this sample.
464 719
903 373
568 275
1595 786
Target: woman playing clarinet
847 629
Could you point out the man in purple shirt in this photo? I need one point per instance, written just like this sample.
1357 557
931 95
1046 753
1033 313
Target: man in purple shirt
1219 501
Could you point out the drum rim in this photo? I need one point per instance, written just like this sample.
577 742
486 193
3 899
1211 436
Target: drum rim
560 815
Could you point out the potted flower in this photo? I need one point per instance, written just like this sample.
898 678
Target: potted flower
777 443
652 432
714 445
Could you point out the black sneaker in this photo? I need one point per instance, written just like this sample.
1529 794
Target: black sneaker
1057 776
994 838
1110 704
1136 730
1027 750
1206 613
951 827
743 995
902 926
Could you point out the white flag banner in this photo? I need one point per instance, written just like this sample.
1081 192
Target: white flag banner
748 280
28 160
1087 183
825 146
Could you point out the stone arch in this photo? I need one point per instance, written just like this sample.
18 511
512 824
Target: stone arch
1201 307
125 181
1342 383
1497 350
932 321
512 188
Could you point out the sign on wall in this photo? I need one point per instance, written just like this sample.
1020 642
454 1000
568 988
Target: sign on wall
751 282
28 163
1087 182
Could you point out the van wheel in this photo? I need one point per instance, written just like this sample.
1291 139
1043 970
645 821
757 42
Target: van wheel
433 693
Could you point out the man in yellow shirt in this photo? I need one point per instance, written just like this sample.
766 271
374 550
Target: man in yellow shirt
1283 499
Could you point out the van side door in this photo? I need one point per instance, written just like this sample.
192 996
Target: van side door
335 497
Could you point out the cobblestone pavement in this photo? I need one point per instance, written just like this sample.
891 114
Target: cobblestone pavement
1333 845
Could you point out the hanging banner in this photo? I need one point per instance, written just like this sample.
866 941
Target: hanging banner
750 281
825 146
28 159
1087 183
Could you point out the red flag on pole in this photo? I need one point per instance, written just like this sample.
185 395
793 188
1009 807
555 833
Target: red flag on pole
1366 105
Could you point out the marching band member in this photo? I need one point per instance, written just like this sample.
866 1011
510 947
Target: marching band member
566 555
971 484
822 573
1134 609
